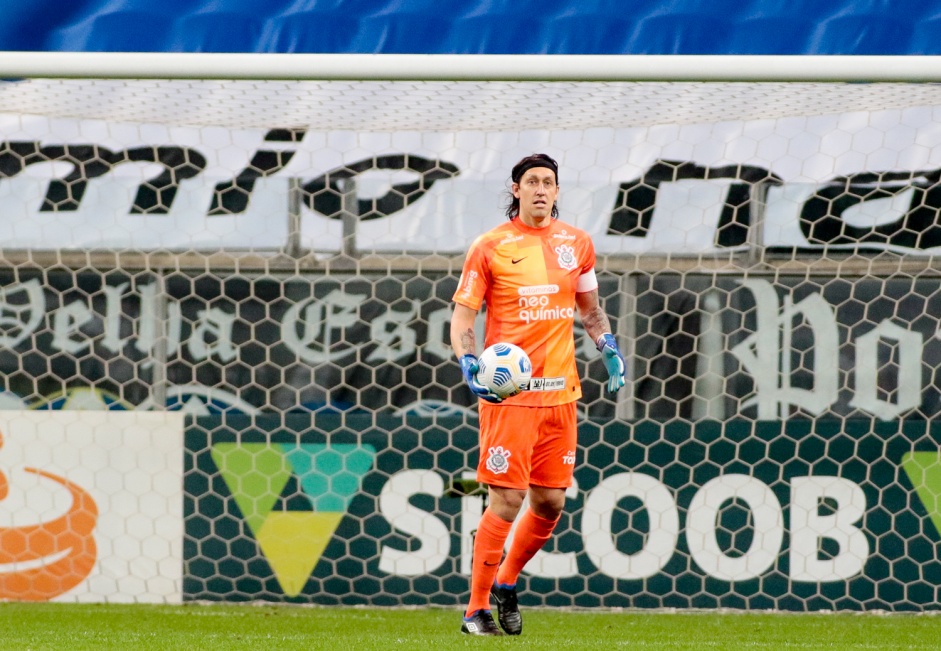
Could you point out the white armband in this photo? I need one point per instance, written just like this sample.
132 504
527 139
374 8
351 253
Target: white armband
587 282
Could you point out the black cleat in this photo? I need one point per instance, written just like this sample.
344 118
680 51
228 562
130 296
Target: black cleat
508 609
480 623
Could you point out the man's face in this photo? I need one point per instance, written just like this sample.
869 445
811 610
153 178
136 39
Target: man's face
537 192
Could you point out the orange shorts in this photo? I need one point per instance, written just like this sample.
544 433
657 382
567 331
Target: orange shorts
524 446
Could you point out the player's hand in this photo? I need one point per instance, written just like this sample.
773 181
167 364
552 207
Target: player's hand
469 368
613 361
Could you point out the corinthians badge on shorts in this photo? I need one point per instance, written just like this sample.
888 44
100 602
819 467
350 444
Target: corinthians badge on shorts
498 460
566 256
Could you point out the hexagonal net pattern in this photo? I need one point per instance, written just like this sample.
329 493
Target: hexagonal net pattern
276 262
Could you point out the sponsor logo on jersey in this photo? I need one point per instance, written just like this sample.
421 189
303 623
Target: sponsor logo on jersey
568 458
535 305
538 290
542 313
566 256
511 238
498 460
563 235
546 384
467 283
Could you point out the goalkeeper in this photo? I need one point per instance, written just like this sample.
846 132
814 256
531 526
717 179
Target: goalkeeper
533 272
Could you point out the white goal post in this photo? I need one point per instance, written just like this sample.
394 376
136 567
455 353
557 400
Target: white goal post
470 67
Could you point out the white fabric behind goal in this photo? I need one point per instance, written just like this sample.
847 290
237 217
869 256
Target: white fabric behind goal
418 167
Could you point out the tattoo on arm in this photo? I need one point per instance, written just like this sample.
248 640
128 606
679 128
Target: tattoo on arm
596 323
463 341
468 342
594 319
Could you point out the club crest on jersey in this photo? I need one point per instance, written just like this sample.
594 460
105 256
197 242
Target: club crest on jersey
498 460
566 256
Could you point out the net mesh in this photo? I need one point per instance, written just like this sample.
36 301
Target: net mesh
276 261
448 106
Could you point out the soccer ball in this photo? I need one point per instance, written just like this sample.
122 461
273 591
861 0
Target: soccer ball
505 369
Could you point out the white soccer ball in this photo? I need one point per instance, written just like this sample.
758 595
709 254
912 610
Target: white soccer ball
505 369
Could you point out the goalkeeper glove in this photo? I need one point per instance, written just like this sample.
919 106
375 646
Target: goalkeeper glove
469 368
613 361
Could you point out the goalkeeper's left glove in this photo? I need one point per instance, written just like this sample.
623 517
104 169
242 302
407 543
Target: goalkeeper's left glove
613 361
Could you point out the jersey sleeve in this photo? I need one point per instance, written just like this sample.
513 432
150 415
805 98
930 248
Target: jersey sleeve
475 277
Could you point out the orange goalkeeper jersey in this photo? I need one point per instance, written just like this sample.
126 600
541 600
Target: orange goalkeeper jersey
528 278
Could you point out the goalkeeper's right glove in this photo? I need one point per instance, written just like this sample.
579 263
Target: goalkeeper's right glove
469 368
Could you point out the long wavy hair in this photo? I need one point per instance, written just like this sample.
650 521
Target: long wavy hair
536 160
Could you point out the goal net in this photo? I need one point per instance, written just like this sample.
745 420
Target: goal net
275 259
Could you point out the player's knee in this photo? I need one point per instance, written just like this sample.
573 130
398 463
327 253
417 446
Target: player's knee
506 500
547 504
548 511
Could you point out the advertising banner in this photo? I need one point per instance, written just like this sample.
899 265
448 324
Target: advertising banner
238 343
794 515
789 347
700 347
91 507
411 177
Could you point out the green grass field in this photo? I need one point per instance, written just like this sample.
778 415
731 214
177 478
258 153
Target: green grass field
285 628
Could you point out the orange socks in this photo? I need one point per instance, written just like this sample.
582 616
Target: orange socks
492 533
531 534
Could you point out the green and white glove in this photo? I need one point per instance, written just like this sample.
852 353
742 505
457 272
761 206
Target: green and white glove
613 361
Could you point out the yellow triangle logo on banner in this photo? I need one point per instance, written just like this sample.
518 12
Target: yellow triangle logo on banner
293 541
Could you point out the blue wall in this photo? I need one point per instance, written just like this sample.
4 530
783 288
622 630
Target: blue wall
476 26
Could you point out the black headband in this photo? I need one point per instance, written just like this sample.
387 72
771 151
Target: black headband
539 160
